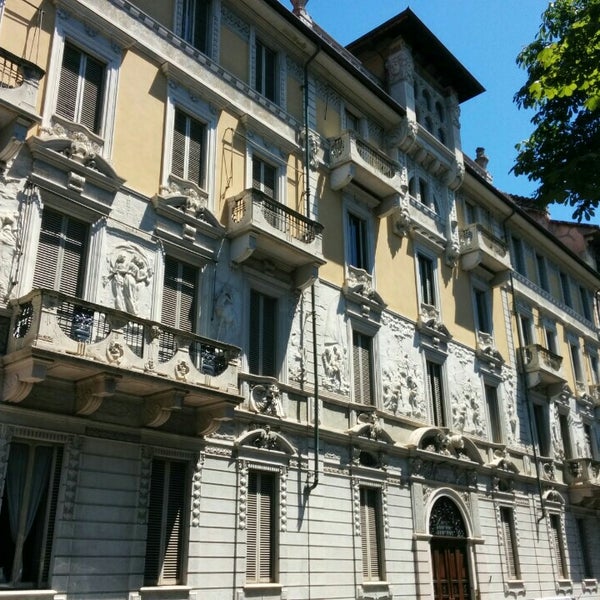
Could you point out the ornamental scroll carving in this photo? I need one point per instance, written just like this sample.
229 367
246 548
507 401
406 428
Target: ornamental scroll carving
267 400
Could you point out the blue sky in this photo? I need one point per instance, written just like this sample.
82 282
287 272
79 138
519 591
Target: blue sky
486 36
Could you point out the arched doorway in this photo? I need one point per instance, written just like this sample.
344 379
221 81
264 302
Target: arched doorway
449 559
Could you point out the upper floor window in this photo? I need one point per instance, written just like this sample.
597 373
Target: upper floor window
362 364
179 295
586 548
261 528
427 291
493 413
584 297
166 529
483 310
558 544
518 255
435 386
358 255
542 272
188 159
540 418
576 362
370 531
195 23
594 367
265 75
352 121
526 329
264 177
81 88
28 513
565 433
550 337
566 289
61 253
262 343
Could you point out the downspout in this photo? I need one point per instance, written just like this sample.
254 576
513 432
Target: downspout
523 375
316 416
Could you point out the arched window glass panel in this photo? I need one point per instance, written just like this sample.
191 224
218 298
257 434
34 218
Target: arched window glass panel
446 520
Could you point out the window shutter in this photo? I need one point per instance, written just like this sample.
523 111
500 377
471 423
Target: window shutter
195 154
178 154
254 335
426 277
61 253
269 336
434 375
361 348
92 94
559 549
491 397
179 294
171 569
68 83
153 535
510 547
260 540
370 534
262 347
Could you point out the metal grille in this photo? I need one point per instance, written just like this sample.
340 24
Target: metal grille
82 324
208 359
23 320
11 74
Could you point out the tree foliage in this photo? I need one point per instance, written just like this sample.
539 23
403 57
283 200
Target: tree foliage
563 88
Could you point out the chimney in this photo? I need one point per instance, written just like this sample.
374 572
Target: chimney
300 10
481 159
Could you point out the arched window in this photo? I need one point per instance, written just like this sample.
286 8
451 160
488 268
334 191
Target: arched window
445 520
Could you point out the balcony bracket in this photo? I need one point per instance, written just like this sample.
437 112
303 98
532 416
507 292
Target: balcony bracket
341 176
243 247
208 420
158 407
20 377
393 204
90 392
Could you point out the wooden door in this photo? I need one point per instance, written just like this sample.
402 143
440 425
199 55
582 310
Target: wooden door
450 570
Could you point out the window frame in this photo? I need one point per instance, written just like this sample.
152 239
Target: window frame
69 30
493 407
195 305
184 100
261 293
518 252
565 435
576 359
374 538
541 267
259 47
541 421
157 579
509 531
180 24
356 378
557 540
439 416
422 293
483 313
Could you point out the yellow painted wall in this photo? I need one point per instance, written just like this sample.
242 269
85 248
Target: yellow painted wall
295 184
163 12
331 217
139 128
328 119
234 54
231 159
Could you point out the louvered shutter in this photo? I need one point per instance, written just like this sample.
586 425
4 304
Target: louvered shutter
436 392
269 336
195 152
370 534
61 253
262 346
426 277
362 366
154 530
174 523
254 334
51 512
179 137
92 94
510 547
491 397
179 294
559 549
68 82
260 539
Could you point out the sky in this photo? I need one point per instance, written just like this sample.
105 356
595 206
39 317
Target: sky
485 36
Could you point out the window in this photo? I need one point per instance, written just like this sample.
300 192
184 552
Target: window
541 429
358 247
518 255
362 362
542 272
195 23
594 364
565 434
264 177
262 341
81 88
61 254
482 310
426 280
558 544
576 362
166 523
188 160
526 329
566 289
493 411
584 297
507 522
352 121
589 444
370 530
588 571
261 536
550 335
28 513
470 213
264 77
179 295
436 393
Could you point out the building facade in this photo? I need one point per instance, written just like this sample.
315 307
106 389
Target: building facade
266 331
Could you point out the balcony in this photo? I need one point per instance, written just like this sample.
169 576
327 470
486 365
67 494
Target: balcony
264 229
543 368
353 160
479 248
583 477
106 352
19 80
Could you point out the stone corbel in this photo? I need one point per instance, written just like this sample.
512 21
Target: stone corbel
208 420
158 407
91 392
20 377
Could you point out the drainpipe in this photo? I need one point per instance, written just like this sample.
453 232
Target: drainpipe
313 309
521 365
